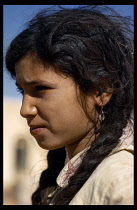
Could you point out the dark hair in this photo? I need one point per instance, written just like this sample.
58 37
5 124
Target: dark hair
91 47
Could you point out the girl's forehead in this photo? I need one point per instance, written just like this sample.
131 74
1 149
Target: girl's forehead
29 72
33 63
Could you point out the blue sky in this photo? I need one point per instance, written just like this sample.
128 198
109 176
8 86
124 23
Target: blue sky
15 17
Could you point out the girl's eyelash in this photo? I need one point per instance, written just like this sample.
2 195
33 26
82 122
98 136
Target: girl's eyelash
20 90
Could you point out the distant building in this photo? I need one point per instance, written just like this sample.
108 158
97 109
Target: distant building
24 160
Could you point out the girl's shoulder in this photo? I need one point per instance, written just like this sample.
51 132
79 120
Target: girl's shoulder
111 183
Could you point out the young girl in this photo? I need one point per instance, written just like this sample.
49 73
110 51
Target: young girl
74 68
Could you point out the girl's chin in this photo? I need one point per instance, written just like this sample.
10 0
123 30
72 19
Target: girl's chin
46 146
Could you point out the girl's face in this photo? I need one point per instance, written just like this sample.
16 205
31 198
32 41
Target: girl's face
50 105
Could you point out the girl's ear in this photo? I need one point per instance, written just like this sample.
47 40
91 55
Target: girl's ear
101 99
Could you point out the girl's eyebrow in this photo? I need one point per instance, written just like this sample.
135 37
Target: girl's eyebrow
36 82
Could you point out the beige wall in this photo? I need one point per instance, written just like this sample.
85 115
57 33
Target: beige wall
19 184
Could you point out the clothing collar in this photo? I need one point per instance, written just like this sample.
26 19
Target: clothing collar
70 168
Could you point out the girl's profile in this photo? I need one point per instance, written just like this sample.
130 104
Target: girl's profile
74 69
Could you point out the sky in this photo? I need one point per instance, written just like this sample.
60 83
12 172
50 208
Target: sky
14 19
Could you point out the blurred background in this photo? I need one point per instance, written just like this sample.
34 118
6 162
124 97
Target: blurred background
23 159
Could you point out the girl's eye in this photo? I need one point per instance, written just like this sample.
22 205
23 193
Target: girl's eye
42 88
20 90
37 88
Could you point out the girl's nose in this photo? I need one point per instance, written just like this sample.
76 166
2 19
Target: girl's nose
28 107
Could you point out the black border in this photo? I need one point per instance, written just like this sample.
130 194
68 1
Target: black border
42 2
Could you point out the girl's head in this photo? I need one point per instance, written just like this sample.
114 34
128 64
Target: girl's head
83 44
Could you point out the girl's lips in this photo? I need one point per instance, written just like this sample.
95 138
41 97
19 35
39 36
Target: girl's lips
37 130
